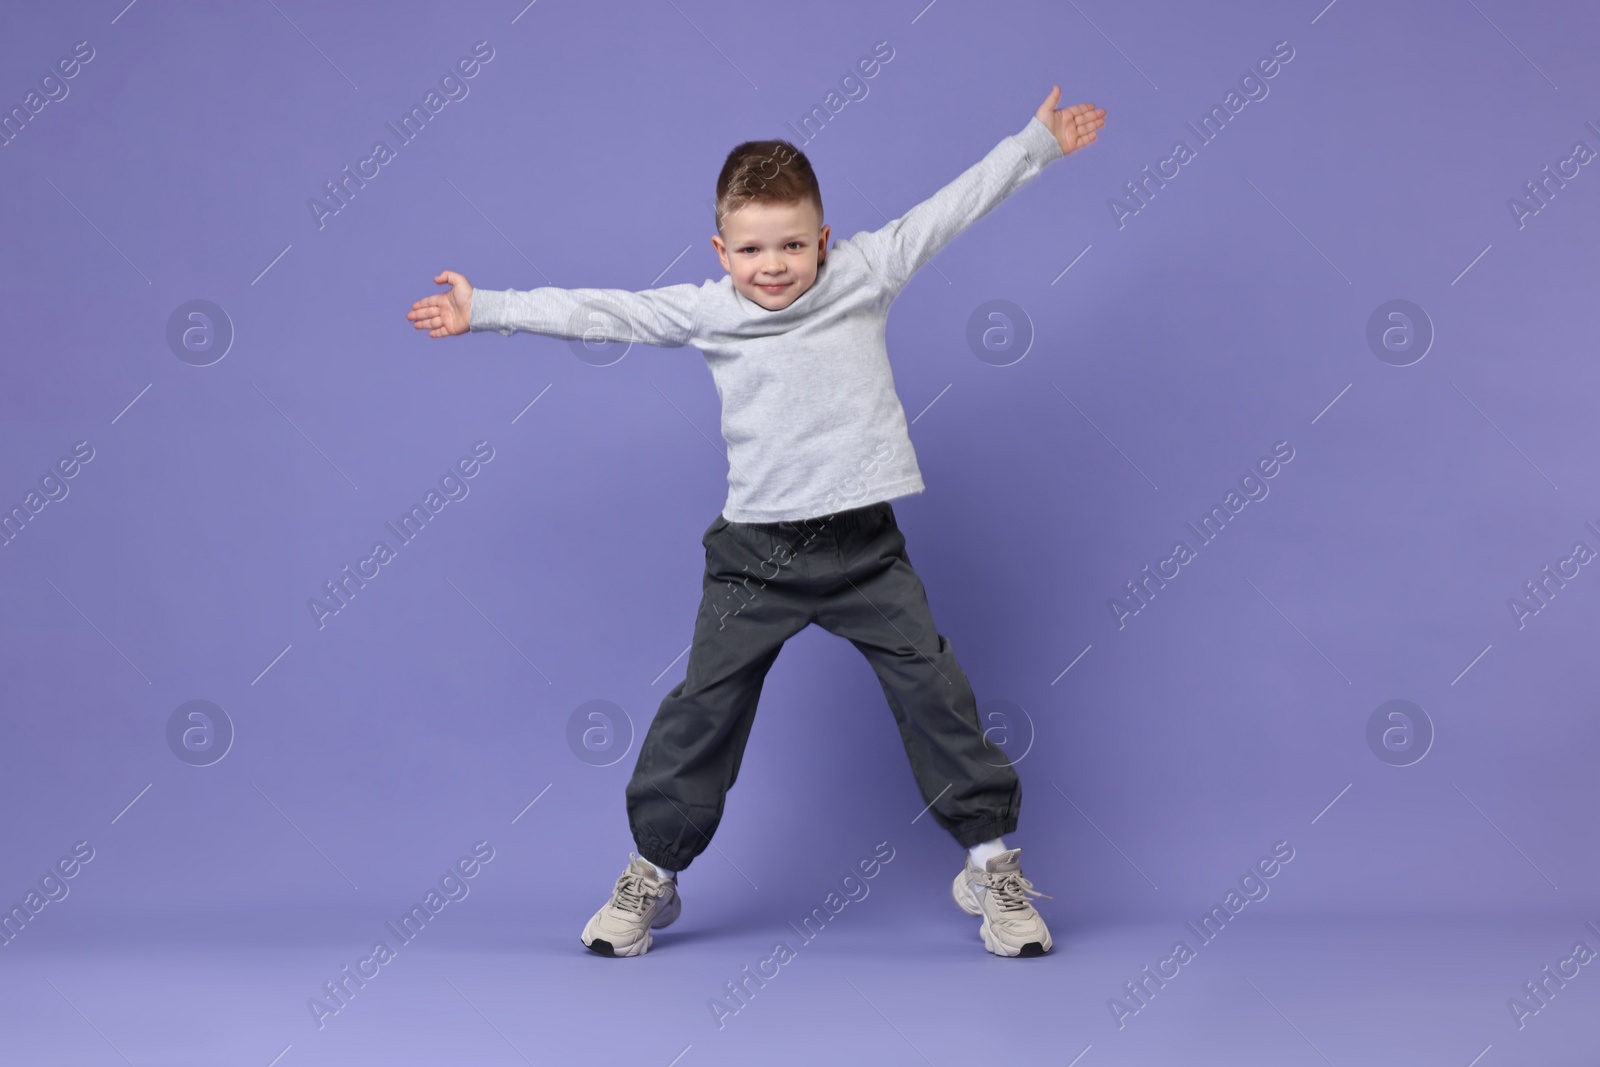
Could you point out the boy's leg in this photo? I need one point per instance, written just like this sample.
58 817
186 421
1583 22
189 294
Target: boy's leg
879 604
690 755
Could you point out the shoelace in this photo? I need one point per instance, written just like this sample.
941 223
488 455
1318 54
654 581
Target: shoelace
1011 890
630 893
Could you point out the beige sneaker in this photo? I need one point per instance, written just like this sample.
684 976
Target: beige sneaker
641 900
1000 894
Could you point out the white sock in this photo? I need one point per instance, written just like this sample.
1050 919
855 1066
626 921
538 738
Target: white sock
663 872
982 851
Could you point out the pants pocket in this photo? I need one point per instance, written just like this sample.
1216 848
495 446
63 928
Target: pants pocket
718 524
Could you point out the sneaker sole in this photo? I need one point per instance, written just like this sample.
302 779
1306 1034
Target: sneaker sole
1000 948
601 947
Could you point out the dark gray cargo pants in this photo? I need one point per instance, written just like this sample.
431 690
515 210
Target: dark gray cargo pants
765 582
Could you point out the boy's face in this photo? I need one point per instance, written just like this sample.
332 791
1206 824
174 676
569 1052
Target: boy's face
772 251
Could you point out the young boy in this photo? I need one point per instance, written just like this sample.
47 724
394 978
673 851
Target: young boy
794 337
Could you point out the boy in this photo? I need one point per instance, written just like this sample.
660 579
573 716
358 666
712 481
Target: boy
794 337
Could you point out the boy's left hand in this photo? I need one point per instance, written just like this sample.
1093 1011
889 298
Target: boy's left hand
1073 126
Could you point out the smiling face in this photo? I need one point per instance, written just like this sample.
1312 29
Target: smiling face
773 251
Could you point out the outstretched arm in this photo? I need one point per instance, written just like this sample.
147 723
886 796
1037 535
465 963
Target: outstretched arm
898 250
665 317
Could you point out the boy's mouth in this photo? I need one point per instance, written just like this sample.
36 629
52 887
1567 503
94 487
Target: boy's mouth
773 288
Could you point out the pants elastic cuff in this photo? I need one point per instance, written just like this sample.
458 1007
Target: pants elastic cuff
660 859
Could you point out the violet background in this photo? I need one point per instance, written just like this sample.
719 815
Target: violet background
1229 314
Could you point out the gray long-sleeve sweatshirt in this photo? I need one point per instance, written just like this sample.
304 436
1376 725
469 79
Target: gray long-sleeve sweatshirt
809 409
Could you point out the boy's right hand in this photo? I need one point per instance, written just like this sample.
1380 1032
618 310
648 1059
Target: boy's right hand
444 314
1073 126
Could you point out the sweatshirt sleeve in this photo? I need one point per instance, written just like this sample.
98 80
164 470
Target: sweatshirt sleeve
666 317
898 250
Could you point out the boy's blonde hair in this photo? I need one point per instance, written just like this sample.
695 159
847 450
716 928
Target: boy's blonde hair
765 172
